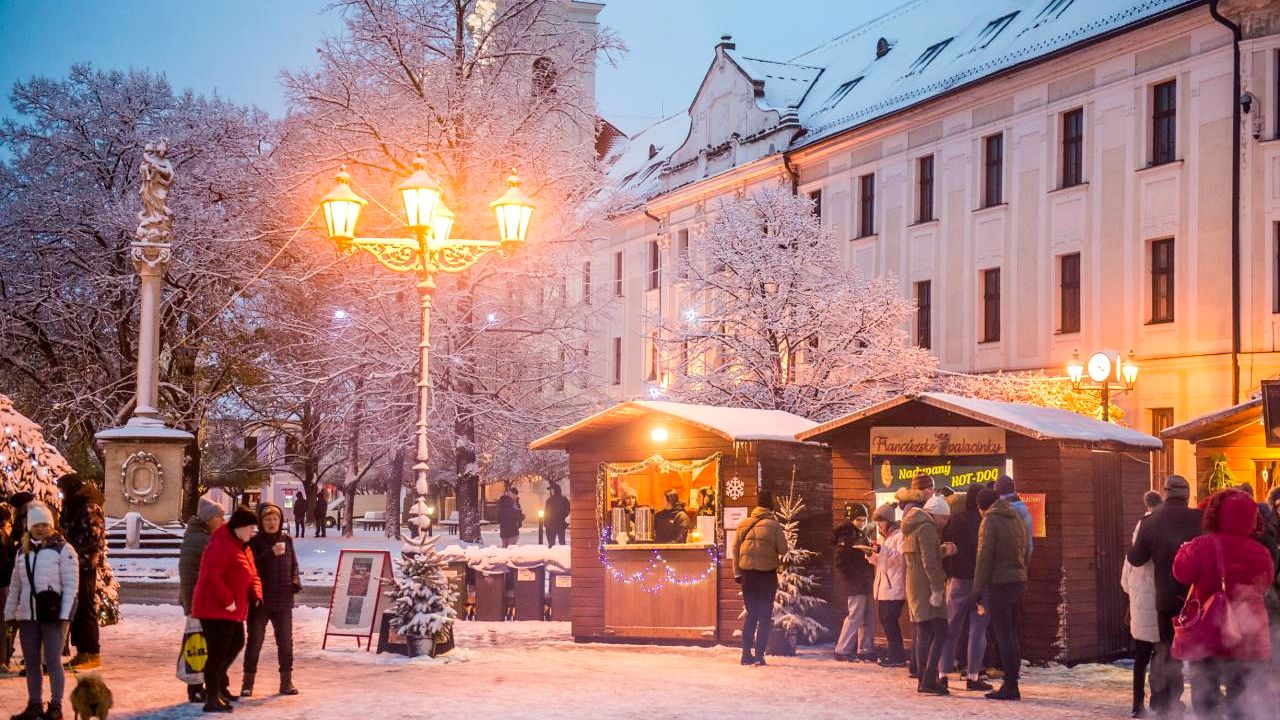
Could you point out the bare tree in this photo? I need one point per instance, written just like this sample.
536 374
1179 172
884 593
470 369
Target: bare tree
473 87
779 322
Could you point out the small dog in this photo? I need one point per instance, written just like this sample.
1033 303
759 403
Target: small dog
91 698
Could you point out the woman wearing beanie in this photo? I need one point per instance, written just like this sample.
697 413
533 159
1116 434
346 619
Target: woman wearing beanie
277 565
226 588
890 585
42 593
195 539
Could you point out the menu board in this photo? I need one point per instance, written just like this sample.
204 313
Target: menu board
359 593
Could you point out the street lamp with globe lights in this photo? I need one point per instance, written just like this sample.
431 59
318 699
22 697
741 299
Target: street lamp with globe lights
430 251
1103 372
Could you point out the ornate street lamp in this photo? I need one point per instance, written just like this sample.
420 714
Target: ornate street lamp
431 250
1102 371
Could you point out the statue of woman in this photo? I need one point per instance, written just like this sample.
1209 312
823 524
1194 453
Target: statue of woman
155 222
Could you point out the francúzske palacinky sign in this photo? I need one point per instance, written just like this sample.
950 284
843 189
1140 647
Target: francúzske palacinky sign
937 441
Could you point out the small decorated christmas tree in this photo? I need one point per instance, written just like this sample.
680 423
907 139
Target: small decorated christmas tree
422 603
795 603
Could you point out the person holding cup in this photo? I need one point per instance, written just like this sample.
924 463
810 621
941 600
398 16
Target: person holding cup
278 567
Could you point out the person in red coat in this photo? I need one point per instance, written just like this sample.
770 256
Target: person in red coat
227 586
1225 680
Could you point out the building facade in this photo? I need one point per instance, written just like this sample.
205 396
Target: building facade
1055 176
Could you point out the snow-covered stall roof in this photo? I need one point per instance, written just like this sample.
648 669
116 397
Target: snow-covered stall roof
938 45
1039 423
733 424
1215 423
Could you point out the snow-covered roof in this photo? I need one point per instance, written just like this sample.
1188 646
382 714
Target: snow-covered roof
1039 423
933 47
939 45
635 166
733 424
1215 423
784 84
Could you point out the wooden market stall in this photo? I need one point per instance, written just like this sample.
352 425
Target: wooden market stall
1231 449
625 586
1082 478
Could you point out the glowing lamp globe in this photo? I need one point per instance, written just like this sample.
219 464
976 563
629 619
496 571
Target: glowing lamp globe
1075 370
420 194
513 209
341 210
441 223
658 435
1130 371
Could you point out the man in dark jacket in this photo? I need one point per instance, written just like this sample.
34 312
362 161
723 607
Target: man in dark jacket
85 528
1000 571
556 516
671 524
962 604
509 520
854 578
208 518
300 515
1160 534
319 510
277 565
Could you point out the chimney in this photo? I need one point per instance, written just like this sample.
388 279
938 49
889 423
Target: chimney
726 43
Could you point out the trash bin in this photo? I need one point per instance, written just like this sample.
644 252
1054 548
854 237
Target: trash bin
491 596
531 593
561 589
456 573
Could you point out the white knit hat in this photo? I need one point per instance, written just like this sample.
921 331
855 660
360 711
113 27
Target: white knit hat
937 505
38 512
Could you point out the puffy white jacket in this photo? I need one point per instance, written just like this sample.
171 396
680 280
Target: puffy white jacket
1140 583
55 567
891 569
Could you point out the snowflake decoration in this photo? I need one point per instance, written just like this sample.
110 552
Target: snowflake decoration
735 489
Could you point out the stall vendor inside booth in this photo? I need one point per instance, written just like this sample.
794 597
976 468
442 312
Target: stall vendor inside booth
661 502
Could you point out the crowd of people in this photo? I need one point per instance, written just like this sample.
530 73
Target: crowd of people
1204 593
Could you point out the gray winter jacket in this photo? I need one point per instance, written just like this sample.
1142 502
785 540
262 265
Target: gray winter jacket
194 541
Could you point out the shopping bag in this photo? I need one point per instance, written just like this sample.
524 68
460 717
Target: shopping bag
192 656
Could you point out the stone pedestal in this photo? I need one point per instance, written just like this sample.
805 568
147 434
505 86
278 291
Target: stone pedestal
144 471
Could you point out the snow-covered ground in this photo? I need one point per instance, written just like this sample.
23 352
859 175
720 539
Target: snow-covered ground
505 671
317 557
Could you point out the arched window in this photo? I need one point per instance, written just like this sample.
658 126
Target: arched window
544 77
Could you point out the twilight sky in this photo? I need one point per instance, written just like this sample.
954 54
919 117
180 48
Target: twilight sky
238 47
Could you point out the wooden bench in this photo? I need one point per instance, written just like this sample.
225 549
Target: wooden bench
450 524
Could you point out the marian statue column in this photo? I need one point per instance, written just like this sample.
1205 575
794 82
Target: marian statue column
151 253
144 459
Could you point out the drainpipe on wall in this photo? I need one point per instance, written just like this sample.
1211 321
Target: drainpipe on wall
791 170
1235 199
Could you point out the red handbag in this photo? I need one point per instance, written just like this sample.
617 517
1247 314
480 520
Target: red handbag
1208 629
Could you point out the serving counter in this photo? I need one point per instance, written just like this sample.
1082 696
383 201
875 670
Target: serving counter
660 590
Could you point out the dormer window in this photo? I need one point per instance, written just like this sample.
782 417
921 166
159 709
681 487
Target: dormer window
653 151
928 56
840 93
883 47
992 30
544 77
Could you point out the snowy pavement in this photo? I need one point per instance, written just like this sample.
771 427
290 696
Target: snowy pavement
505 671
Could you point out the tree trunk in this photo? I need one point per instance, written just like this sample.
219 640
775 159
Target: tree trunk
467 485
353 458
394 483
191 478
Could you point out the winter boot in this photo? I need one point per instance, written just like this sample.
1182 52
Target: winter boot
286 684
978 685
748 658
33 712
53 712
1007 691
246 686
85 661
195 693
216 705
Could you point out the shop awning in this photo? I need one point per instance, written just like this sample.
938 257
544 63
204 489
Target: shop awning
733 424
1216 423
1039 423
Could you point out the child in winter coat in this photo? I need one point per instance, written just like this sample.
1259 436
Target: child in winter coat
277 565
42 593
